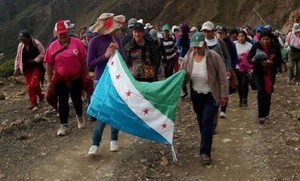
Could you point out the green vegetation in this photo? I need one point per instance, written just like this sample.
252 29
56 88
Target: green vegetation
7 68
296 3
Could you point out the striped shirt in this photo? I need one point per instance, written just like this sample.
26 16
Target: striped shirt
169 46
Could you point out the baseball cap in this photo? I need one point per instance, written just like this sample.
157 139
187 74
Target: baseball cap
221 29
131 22
24 34
193 29
61 27
208 26
138 26
166 27
70 24
197 40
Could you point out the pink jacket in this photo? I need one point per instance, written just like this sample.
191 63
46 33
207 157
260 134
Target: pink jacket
244 65
18 59
292 39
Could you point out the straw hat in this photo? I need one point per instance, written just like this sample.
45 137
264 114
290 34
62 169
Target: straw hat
107 23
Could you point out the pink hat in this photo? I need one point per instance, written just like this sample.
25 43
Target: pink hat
61 27
107 23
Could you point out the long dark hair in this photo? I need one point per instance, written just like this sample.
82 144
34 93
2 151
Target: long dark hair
267 33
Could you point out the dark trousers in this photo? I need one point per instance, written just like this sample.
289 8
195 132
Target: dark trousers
243 87
263 98
223 109
184 87
169 68
205 108
63 92
264 104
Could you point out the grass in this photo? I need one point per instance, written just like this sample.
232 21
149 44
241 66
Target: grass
7 68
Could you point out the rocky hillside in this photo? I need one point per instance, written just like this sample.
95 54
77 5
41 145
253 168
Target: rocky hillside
39 16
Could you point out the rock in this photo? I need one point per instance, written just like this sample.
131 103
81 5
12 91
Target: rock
109 174
208 166
164 161
143 160
5 122
226 140
21 93
2 176
2 96
23 137
292 140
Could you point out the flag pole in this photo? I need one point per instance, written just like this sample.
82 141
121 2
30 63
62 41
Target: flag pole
174 154
259 16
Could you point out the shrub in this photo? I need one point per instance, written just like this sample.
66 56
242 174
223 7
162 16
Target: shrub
7 68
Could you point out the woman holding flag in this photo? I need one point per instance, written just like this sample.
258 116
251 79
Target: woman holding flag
207 88
100 49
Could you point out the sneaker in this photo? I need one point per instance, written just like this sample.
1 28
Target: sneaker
244 103
206 160
62 130
261 120
93 150
30 107
35 108
240 104
183 95
80 122
91 118
114 146
222 114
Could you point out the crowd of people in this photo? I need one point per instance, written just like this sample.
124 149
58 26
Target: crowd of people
218 61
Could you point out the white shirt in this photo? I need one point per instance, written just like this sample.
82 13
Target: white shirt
242 47
199 77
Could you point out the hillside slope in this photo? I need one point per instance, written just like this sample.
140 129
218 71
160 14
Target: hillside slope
39 16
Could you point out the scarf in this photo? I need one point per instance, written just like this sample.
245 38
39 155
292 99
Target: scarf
267 71
211 42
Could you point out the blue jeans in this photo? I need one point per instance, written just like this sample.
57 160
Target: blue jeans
98 131
205 108
99 127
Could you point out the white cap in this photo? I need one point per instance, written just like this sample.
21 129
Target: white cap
174 27
148 26
193 29
140 21
70 25
208 26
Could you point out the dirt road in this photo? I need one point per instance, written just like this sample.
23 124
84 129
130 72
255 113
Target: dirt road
242 149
